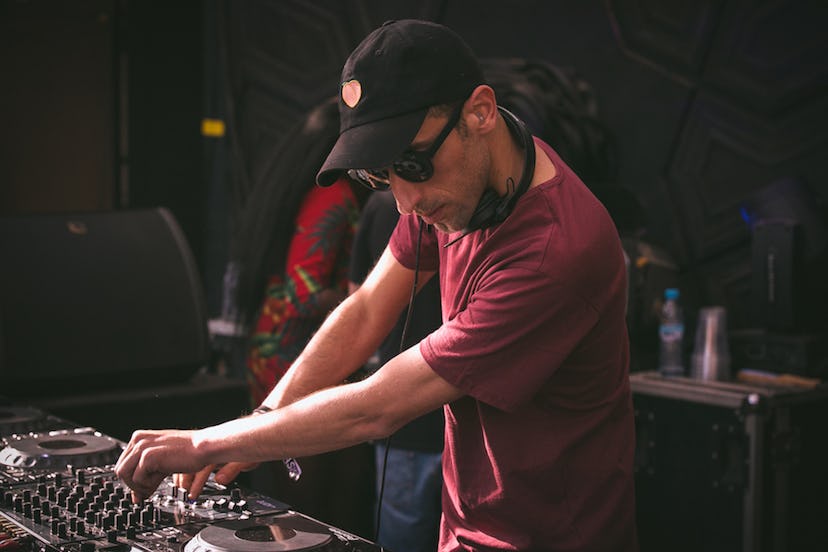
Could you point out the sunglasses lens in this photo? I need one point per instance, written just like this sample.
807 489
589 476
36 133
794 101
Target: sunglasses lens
414 166
373 179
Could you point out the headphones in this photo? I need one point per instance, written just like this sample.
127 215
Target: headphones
493 209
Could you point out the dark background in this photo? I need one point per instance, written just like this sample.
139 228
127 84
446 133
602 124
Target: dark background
708 102
102 103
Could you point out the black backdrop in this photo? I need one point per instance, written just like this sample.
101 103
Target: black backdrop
709 101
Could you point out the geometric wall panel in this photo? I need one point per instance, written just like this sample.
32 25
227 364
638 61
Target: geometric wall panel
674 36
769 56
725 154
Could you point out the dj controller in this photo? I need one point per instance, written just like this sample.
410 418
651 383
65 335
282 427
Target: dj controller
60 493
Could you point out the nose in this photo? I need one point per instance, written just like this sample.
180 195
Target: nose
407 194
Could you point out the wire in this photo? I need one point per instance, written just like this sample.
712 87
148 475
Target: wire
402 348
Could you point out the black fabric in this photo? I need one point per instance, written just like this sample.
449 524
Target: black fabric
378 219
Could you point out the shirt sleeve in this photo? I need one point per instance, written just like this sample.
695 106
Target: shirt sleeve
515 332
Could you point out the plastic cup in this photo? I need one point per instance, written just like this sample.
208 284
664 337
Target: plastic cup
711 354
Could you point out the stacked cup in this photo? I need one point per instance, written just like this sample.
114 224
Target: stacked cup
711 355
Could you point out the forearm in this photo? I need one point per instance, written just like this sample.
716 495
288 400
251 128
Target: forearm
333 418
342 344
326 420
350 335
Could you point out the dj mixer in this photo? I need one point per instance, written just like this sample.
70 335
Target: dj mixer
60 493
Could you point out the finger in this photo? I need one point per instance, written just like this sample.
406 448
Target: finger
182 480
146 476
230 471
196 481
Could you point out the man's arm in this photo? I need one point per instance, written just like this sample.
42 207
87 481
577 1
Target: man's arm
337 417
329 416
351 334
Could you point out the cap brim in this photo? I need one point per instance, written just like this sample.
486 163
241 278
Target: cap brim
370 146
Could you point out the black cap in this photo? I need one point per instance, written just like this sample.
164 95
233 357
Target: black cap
388 83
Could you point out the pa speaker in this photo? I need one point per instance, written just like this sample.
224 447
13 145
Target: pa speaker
98 300
775 271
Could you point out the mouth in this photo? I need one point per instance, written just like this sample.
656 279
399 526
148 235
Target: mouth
432 216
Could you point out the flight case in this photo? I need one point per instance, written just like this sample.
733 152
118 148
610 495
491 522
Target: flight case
724 466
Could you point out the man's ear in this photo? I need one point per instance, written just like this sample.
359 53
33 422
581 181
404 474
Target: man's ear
481 108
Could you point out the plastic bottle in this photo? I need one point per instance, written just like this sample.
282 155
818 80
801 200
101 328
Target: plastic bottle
671 335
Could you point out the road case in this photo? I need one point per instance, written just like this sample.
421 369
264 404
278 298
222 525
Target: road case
730 467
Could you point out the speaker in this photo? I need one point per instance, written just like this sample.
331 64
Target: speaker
98 300
774 274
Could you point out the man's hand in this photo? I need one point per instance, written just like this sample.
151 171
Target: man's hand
151 456
194 482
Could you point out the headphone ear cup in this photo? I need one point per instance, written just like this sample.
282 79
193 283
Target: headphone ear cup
485 212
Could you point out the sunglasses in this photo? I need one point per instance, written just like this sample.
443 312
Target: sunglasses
412 165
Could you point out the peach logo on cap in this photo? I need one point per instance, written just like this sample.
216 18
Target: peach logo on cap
351 93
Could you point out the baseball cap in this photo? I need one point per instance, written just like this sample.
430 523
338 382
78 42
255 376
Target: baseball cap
388 83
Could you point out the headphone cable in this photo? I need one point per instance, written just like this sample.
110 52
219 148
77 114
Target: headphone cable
402 345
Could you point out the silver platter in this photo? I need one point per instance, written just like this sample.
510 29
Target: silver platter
56 450
271 533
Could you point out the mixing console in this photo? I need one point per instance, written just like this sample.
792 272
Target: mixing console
59 493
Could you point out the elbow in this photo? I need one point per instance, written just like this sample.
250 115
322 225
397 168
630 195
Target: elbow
382 425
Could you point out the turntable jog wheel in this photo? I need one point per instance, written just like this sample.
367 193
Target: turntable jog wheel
58 449
271 533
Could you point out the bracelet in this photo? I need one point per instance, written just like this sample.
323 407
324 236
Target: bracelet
261 409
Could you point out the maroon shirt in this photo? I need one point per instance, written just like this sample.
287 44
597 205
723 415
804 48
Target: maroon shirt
539 453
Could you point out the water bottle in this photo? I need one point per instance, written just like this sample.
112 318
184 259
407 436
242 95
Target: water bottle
671 335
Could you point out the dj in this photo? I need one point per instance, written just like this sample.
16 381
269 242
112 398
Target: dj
531 361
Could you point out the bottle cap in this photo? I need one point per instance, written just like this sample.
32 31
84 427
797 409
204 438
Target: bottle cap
671 293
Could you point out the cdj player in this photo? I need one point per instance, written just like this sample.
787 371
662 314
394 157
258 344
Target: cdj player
60 493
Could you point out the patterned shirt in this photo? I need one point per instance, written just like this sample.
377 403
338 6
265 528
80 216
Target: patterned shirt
317 259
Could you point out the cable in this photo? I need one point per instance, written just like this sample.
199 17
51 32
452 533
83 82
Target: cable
402 348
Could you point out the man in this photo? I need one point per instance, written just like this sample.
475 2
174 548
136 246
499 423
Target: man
531 361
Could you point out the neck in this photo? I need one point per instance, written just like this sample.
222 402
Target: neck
508 160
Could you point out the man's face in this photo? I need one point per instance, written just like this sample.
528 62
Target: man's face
461 165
